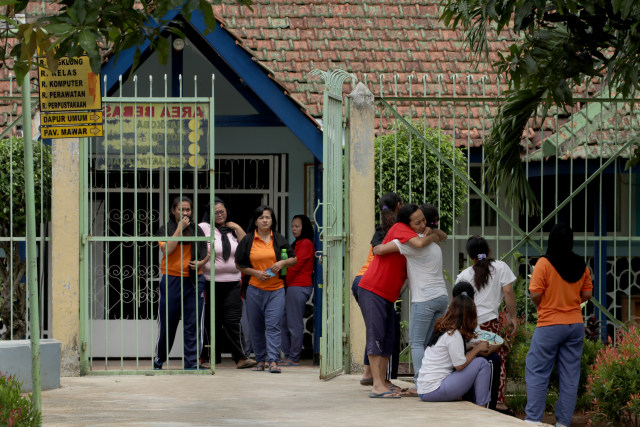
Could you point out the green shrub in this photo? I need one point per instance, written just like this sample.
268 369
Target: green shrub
409 168
613 386
15 409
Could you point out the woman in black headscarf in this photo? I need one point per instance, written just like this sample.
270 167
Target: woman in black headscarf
228 306
560 282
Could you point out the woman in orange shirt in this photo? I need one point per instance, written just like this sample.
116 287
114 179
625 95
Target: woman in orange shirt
560 282
258 257
181 285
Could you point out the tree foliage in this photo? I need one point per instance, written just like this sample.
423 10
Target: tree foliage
13 223
98 27
559 43
412 170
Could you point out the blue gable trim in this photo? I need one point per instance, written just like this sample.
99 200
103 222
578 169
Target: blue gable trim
262 85
246 68
113 69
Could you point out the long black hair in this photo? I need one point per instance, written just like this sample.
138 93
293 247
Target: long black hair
478 250
560 254
307 229
388 204
258 213
461 315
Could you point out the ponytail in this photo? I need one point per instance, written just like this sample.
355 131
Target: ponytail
478 250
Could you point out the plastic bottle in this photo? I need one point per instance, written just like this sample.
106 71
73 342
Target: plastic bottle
283 255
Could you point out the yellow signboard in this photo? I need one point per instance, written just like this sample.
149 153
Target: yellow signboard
72 118
79 131
73 86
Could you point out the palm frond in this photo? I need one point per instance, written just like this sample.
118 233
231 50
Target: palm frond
503 150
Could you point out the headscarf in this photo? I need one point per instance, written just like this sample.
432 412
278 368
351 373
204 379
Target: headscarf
560 254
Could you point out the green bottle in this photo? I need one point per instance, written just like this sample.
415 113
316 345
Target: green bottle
283 270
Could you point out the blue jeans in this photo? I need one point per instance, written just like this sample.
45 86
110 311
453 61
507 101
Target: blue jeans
560 345
476 375
179 299
293 321
421 321
264 309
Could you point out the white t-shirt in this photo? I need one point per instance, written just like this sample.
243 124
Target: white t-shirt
439 361
489 298
424 269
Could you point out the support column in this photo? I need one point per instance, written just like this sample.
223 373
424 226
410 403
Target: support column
362 204
65 246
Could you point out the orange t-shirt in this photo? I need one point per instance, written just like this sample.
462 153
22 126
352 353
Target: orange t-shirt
263 256
367 262
176 266
560 304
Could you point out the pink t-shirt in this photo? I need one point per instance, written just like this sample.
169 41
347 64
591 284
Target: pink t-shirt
225 271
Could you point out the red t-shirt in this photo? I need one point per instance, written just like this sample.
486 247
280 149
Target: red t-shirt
386 273
300 274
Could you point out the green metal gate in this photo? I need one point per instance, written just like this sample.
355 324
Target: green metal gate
154 149
575 162
332 232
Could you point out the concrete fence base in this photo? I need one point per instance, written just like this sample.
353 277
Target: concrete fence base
15 360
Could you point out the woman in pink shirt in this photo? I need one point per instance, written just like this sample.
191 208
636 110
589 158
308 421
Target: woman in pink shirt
228 307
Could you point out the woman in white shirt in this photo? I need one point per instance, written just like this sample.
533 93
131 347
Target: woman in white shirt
429 297
493 281
447 373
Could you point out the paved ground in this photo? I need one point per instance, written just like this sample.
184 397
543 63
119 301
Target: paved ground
234 397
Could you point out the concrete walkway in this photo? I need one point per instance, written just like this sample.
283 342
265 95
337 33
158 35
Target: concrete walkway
234 397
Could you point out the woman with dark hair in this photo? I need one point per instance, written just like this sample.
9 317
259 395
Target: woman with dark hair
299 286
429 297
493 281
560 282
258 257
228 309
389 204
491 354
446 353
181 285
378 291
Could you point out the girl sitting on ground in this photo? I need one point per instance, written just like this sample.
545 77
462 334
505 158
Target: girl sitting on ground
447 373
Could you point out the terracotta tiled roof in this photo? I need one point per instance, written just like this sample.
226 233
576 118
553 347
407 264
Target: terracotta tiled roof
370 39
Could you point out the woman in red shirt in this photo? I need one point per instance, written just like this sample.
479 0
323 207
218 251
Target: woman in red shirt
299 287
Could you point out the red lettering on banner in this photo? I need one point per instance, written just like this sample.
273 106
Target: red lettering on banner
186 111
127 111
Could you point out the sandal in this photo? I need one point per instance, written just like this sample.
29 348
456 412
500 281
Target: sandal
246 363
258 367
274 369
288 362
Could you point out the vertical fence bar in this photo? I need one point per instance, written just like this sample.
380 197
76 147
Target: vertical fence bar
32 265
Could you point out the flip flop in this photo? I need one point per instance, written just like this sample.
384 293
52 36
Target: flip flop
366 381
248 363
289 363
384 395
258 367
274 369
409 392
